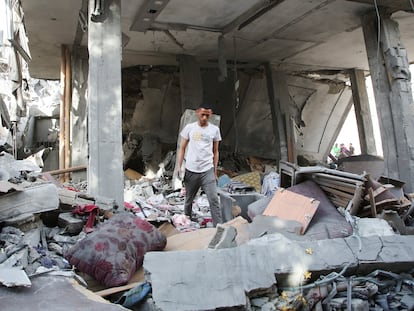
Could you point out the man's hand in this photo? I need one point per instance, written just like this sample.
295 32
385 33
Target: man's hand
180 175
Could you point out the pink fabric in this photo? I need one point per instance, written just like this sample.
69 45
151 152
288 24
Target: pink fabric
115 250
84 209
180 220
129 206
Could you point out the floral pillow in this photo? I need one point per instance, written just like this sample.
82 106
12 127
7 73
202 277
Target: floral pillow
115 250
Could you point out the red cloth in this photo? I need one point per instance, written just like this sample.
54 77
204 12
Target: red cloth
129 205
85 209
206 221
72 189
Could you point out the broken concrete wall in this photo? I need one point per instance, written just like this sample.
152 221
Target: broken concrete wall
323 107
254 121
152 108
151 103
37 128
246 124
220 96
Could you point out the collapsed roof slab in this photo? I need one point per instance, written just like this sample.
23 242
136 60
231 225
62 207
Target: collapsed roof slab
296 34
47 292
230 274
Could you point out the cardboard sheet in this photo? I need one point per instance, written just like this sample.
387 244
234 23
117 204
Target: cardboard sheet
292 206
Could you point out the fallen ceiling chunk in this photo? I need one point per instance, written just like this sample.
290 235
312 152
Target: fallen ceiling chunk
11 277
212 279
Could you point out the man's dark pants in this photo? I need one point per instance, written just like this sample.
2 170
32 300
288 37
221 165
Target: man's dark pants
207 182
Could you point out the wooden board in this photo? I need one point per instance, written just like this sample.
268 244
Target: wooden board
168 229
292 206
198 239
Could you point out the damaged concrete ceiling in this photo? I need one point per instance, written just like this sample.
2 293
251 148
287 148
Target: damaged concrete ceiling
296 35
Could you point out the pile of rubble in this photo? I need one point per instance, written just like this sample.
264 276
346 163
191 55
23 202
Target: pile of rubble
272 253
378 290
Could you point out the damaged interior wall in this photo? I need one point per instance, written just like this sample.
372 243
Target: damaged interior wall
284 34
321 106
152 109
153 102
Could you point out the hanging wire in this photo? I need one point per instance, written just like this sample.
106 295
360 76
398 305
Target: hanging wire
14 139
236 98
330 278
236 78
378 26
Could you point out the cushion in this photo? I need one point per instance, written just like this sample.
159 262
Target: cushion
115 250
252 179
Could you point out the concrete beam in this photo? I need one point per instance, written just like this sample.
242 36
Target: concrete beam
105 175
147 14
392 5
250 15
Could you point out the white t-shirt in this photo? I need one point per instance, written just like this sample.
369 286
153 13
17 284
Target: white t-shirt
199 155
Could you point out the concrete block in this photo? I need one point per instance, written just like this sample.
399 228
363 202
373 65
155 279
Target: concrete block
228 200
394 253
341 304
373 227
14 276
262 225
408 302
226 275
257 208
72 224
225 237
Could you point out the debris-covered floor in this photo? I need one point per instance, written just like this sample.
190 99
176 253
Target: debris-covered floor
294 238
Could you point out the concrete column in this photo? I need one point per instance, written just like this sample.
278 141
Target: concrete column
390 74
283 97
276 111
362 112
105 175
191 84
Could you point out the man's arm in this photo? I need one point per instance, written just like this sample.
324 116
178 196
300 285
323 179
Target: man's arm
215 156
180 156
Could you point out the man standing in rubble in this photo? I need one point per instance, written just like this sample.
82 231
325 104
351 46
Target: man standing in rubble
202 139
